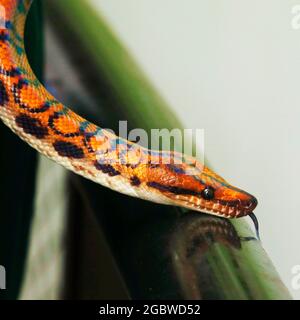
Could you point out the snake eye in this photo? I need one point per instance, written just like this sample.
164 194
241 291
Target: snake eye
208 193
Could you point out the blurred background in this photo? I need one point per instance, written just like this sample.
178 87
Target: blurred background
229 68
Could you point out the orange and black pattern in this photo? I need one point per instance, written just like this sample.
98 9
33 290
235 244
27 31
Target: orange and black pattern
97 154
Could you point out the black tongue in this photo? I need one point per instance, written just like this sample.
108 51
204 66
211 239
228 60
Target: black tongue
256 225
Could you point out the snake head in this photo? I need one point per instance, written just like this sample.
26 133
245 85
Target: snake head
198 188
218 197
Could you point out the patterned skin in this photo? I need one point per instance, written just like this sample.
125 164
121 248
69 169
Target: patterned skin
63 136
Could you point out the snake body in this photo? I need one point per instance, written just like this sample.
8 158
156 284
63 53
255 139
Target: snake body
55 131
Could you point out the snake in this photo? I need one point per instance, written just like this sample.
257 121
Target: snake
97 154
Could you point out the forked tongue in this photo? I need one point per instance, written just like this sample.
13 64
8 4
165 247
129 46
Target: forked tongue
256 225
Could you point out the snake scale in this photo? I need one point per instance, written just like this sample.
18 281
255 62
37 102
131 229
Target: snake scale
55 131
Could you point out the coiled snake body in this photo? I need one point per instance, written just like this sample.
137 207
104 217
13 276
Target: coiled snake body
63 136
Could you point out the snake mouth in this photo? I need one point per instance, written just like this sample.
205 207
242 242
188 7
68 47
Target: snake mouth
221 208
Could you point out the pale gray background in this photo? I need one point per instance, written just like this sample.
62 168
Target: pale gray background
231 67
